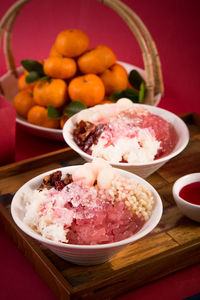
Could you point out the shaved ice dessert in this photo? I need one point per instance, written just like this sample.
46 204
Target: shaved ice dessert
92 205
123 132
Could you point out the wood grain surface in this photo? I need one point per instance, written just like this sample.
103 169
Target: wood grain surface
174 244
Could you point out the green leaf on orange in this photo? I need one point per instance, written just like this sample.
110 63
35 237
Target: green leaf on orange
116 95
135 79
34 76
74 107
131 94
53 113
33 65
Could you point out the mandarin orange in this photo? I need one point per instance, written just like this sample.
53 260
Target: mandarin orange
72 42
88 89
96 60
50 92
23 102
115 79
60 67
37 115
22 84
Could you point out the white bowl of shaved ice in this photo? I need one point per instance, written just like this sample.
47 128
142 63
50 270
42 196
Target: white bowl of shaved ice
88 213
138 138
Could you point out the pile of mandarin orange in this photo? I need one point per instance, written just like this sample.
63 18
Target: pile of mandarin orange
75 73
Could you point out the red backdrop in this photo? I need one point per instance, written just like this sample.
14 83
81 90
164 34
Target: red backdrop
174 25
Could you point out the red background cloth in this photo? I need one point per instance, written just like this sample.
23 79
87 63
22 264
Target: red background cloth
174 26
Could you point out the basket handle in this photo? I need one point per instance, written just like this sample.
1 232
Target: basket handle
6 26
159 86
152 65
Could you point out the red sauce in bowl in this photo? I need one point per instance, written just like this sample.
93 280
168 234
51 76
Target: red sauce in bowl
191 193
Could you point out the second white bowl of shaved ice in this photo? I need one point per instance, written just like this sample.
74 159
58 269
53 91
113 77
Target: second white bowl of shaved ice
138 138
87 213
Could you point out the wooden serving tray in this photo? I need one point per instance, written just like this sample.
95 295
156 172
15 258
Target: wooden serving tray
174 244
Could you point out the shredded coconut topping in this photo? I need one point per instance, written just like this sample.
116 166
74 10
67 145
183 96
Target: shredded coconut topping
129 134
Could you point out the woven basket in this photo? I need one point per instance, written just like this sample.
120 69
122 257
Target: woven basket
152 66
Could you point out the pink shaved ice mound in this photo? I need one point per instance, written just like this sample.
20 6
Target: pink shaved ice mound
93 205
123 132
110 224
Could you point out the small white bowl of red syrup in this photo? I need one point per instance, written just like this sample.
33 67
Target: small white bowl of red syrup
186 193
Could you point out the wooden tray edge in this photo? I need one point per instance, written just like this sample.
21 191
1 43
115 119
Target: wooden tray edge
40 160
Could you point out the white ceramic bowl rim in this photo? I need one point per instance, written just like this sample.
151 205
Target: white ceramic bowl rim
183 181
45 129
185 130
142 232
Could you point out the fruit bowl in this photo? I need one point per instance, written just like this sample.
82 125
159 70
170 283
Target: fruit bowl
141 169
9 84
84 254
